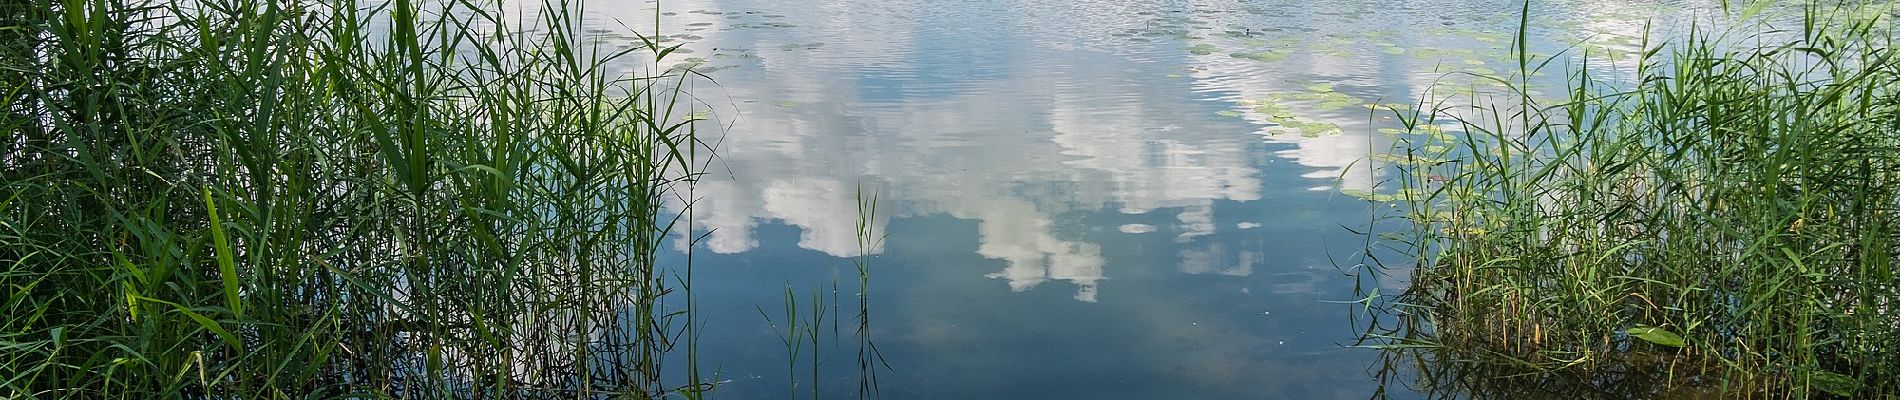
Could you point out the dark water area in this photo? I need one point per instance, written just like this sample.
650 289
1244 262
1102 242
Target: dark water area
1087 199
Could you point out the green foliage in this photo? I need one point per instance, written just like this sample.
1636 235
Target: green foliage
244 199
1741 188
1656 335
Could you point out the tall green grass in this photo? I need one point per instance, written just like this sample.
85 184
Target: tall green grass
1735 207
293 199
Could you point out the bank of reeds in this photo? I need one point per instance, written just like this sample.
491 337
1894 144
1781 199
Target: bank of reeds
318 199
1733 209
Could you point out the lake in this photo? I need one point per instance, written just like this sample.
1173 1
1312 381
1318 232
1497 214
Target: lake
1081 199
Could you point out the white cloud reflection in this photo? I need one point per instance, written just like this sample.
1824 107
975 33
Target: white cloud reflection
1011 149
943 115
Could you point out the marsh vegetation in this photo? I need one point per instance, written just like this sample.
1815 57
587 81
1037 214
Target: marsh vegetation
1727 220
1088 199
311 199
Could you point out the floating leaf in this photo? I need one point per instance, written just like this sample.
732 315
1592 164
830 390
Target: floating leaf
1322 87
1656 335
1262 56
1203 49
1273 109
1227 113
1315 129
1338 103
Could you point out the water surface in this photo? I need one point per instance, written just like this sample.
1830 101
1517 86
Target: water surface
1079 199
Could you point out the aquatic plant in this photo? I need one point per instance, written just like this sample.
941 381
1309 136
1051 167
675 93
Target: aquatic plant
803 335
242 199
1733 209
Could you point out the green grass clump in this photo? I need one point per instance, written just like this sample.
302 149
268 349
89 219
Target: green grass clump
278 199
1735 207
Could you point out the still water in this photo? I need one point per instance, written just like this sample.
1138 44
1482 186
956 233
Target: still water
1075 199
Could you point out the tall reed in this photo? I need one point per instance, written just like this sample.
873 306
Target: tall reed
1736 207
245 199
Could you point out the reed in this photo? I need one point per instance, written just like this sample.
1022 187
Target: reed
804 317
1734 208
242 199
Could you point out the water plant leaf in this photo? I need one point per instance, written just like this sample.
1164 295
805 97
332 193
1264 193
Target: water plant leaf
1227 113
227 265
1316 129
1262 56
1656 335
1834 383
1203 49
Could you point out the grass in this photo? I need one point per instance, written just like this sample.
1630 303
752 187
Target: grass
1734 209
238 199
804 336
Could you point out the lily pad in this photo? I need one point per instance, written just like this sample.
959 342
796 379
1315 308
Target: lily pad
1262 56
1338 103
1274 110
1203 49
1227 113
1316 129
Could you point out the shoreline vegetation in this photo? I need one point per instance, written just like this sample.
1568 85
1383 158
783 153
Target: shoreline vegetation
313 199
1722 225
420 199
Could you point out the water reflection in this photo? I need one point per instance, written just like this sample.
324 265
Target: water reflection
1068 185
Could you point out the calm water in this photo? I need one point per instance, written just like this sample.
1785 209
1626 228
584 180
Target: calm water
1078 199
